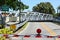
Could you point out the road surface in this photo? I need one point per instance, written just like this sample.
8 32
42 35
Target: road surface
47 28
33 26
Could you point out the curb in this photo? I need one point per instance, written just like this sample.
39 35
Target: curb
20 27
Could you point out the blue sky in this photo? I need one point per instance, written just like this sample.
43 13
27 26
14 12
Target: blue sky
32 3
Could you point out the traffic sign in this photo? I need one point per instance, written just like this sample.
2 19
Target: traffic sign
38 31
13 27
5 8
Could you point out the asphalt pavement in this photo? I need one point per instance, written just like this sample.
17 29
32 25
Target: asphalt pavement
33 26
48 28
54 27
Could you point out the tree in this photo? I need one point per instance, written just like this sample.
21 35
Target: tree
21 6
13 14
44 7
58 11
13 4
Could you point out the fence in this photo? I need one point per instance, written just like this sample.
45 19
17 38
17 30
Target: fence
31 37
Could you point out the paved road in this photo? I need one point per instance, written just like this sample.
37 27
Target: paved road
31 29
47 28
54 27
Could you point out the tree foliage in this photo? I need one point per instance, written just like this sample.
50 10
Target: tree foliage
21 6
15 4
58 11
44 7
58 7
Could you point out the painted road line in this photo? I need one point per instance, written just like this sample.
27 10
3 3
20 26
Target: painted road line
48 29
23 29
20 30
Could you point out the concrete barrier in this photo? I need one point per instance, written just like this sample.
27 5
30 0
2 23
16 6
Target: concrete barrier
7 19
11 19
17 19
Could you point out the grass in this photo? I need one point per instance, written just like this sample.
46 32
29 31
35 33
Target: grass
24 26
